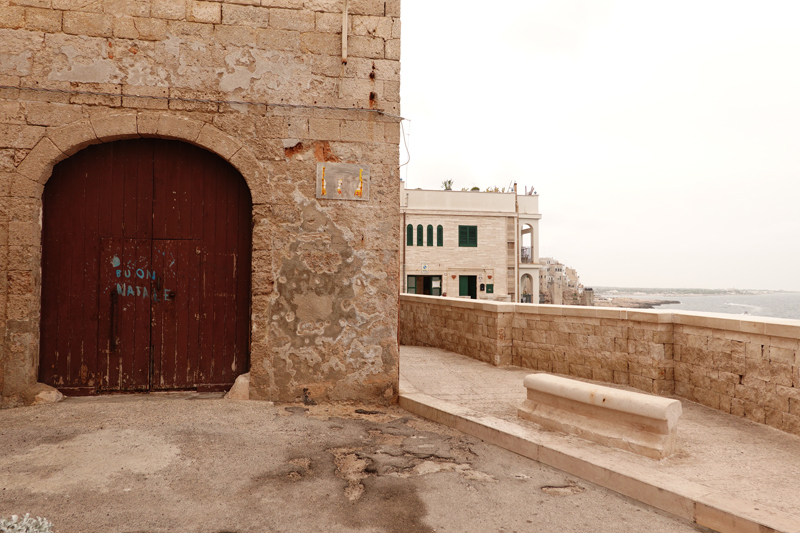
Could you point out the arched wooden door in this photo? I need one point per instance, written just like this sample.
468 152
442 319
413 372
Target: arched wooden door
145 270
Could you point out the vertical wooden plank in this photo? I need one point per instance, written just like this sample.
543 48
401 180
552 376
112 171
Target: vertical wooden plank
157 312
244 262
142 359
107 311
117 200
159 190
52 366
198 197
129 154
190 157
168 311
230 274
91 266
123 363
194 251
172 169
205 367
78 371
144 189
185 253
221 271
107 210
195 283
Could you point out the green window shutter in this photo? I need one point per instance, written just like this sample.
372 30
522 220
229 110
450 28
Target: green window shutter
410 235
463 285
419 235
429 231
463 235
439 236
411 284
468 236
489 288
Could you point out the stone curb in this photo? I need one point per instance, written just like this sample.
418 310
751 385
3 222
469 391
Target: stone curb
684 499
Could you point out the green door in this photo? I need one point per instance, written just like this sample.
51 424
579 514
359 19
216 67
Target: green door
467 286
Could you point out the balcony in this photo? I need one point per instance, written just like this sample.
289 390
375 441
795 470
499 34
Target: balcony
525 255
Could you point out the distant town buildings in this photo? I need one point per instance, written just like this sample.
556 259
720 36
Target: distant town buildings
560 285
471 244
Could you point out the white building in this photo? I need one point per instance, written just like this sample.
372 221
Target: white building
471 244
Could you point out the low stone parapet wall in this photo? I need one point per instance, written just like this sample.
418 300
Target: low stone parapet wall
747 367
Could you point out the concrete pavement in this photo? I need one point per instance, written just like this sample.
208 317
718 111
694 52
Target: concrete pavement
187 462
729 474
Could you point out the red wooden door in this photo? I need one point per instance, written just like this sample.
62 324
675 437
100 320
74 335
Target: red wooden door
145 270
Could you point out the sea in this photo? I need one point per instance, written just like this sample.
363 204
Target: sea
770 304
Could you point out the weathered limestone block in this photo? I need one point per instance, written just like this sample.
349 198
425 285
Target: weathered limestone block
392 49
366 7
117 126
177 127
42 394
240 389
46 20
213 139
12 17
630 421
209 12
245 15
392 8
91 24
74 137
322 43
292 19
38 164
365 46
372 26
168 9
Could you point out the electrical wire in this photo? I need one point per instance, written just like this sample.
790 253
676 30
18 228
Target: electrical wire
404 142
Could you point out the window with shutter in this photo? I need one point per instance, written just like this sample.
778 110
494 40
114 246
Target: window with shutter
468 236
430 235
410 235
439 236
419 235
411 285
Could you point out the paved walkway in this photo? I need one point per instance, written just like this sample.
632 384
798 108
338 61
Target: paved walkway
729 474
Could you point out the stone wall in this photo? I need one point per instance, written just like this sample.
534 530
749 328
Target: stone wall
475 329
746 367
260 83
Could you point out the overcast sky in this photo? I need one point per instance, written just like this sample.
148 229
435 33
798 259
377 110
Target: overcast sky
662 137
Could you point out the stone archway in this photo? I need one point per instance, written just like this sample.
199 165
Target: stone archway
24 298
146 247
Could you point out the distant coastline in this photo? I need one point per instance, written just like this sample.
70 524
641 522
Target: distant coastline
633 303
768 303
634 292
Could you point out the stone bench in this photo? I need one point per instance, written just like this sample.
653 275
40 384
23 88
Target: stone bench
631 421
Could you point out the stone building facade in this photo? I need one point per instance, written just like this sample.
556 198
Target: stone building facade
261 84
500 264
560 284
